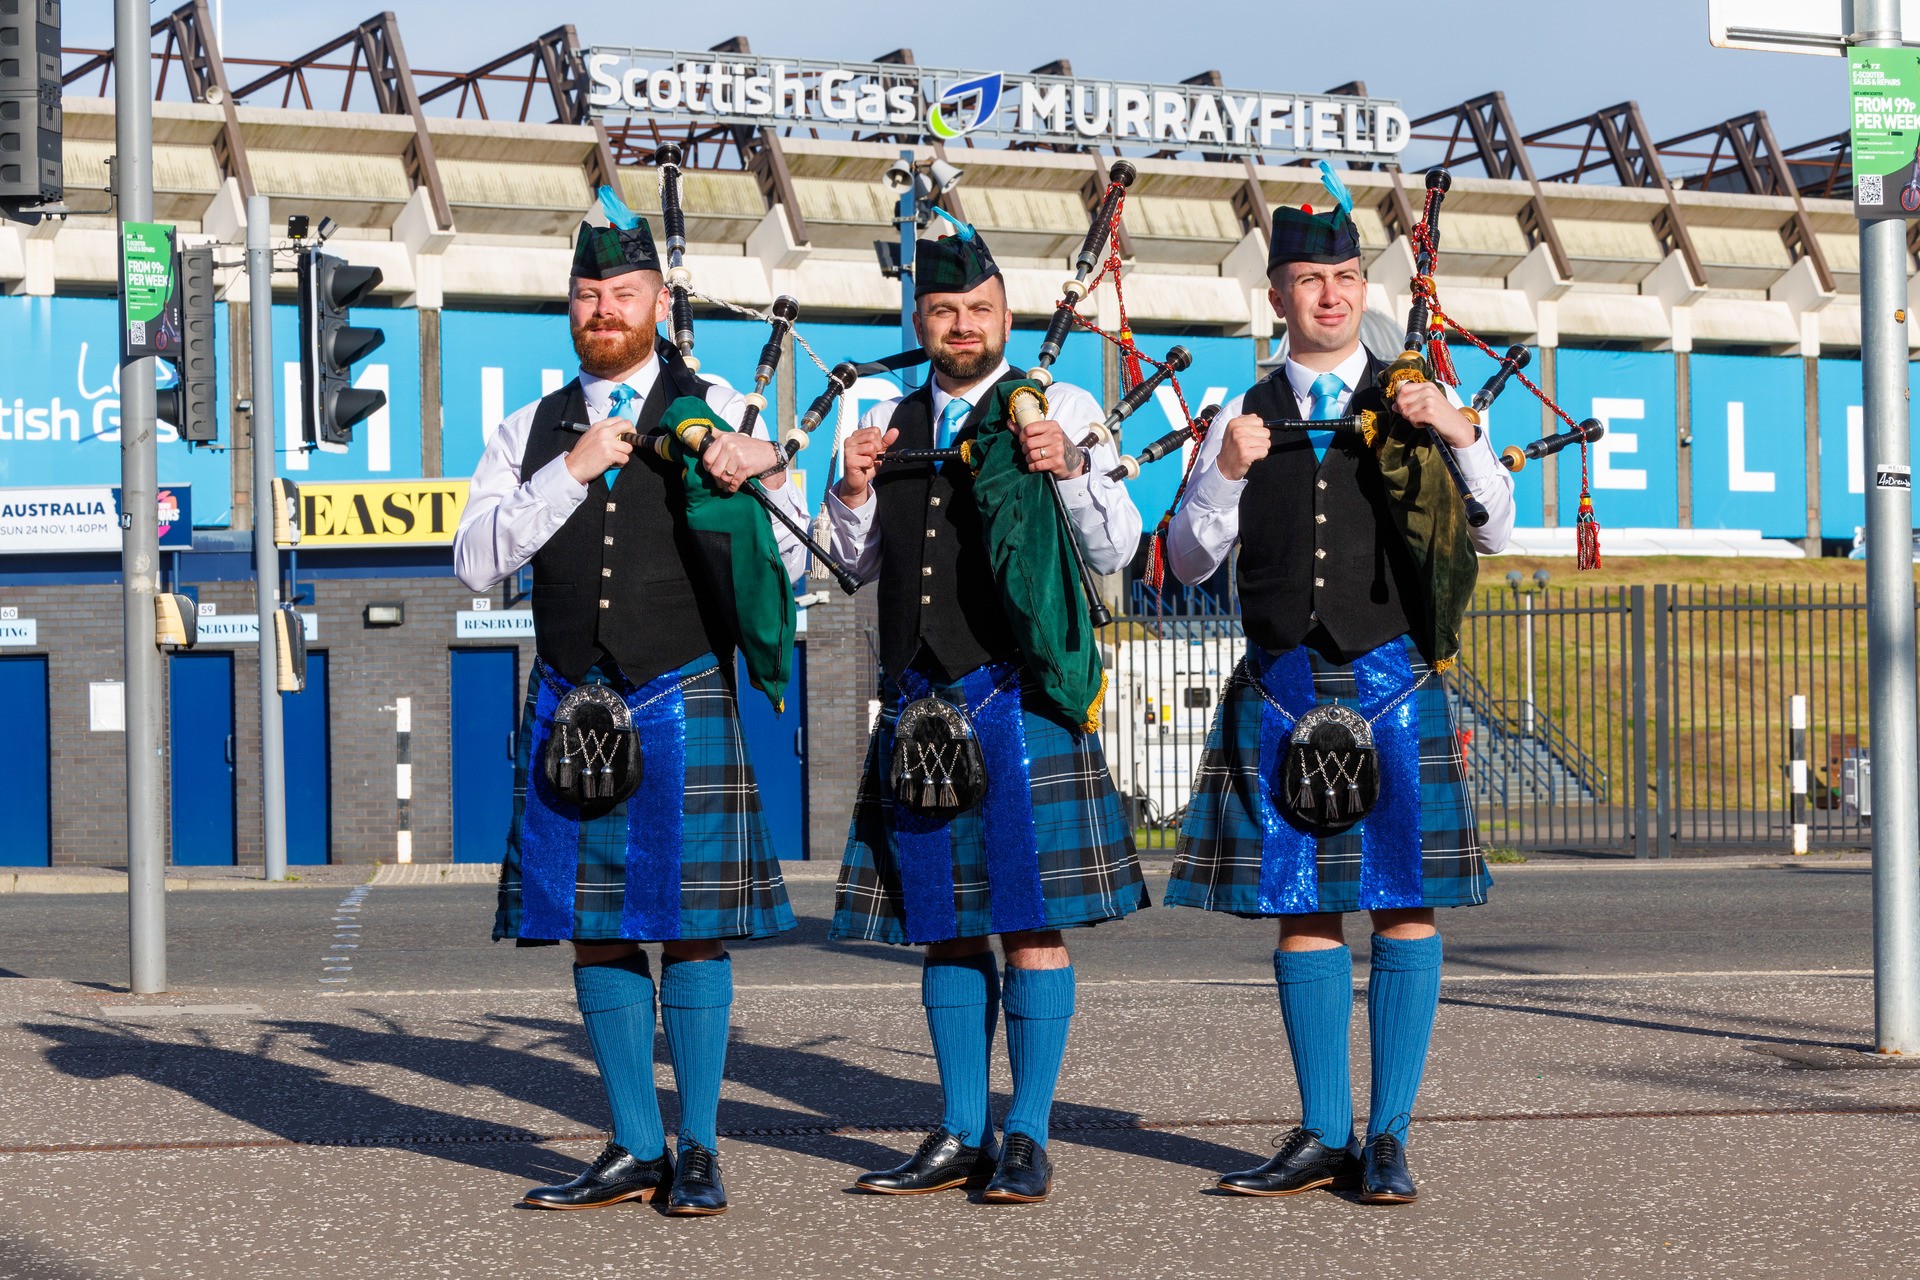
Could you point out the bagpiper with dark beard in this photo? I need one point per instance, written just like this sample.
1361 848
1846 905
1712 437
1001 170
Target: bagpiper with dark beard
636 816
1044 846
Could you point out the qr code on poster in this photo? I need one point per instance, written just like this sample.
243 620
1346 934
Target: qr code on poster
1869 189
137 332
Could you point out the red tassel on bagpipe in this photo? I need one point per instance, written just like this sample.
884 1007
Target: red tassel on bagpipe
1439 359
1586 534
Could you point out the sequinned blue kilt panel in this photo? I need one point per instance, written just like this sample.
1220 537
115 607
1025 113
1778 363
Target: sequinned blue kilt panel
730 884
1088 870
1217 860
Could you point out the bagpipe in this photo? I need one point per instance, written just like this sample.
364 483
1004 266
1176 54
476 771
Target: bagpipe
1425 358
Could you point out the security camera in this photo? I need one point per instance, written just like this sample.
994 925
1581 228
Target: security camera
899 175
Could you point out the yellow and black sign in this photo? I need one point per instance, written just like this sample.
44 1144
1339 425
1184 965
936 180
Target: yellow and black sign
382 513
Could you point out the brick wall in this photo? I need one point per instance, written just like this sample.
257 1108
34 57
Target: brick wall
368 668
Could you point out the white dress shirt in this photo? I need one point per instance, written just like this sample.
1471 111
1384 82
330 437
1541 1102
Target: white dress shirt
1104 517
510 516
1203 530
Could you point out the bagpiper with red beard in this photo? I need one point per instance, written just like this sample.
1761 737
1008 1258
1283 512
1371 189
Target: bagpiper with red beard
1043 845
636 816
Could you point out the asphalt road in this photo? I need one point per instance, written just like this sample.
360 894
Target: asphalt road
1548 919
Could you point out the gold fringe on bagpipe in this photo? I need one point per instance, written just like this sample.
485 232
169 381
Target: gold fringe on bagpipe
1091 723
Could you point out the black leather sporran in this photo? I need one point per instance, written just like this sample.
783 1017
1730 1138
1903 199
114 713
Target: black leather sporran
1331 775
592 756
938 768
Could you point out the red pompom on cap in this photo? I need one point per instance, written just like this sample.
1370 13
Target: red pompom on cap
1306 209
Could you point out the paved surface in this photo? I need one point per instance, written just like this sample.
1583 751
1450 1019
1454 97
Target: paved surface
1630 1077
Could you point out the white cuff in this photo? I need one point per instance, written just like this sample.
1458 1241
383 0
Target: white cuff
1214 492
856 520
556 488
1477 461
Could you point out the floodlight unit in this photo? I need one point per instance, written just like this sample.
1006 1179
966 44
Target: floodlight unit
190 403
30 120
330 345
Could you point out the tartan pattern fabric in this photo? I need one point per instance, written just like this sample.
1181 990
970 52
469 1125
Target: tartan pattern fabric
1217 858
1298 236
601 253
1088 870
730 883
952 264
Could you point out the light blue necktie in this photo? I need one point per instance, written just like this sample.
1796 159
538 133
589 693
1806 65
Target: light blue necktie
951 419
1326 392
623 398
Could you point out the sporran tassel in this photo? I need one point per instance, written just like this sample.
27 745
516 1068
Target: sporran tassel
1303 799
949 798
1353 797
1332 806
568 774
927 793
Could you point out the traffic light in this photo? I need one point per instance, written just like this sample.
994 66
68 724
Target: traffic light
189 403
30 172
289 650
330 346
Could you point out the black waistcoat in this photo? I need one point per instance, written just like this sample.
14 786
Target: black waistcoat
1320 559
936 585
624 574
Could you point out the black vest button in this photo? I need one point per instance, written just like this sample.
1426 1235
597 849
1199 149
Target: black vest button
926 599
606 604
606 573
933 501
931 532
926 571
608 539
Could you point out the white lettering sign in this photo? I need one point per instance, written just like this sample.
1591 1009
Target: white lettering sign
1739 479
20 631
484 624
1617 443
244 628
942 103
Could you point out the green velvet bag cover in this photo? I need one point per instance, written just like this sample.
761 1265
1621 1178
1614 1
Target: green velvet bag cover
1033 559
1430 516
743 559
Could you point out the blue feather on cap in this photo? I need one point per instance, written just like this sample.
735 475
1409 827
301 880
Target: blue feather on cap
616 209
1336 188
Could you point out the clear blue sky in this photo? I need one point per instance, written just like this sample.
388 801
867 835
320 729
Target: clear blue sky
1554 60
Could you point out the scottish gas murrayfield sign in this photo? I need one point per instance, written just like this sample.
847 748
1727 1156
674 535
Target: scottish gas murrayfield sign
937 102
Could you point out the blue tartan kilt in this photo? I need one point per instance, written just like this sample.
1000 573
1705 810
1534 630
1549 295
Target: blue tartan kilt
1217 859
730 883
1088 868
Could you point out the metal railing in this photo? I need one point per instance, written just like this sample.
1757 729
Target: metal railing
1610 718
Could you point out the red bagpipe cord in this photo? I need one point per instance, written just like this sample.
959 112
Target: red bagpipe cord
1131 358
1586 529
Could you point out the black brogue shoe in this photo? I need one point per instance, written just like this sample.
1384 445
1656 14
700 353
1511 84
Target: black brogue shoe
1385 1179
1024 1174
615 1176
697 1189
942 1161
1303 1163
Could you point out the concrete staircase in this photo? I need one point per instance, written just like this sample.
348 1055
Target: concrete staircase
1508 766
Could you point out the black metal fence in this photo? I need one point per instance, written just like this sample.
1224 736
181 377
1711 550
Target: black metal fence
1590 718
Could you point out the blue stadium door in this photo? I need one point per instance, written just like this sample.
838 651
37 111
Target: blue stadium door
200 698
486 715
26 837
303 730
777 745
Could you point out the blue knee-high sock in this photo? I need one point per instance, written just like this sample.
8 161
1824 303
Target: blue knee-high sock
1316 1003
1403 994
962 998
695 998
1039 1004
616 1003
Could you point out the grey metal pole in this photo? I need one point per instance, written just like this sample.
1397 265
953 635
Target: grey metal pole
908 216
139 536
1890 627
266 557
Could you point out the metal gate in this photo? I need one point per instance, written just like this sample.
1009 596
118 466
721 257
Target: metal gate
1607 718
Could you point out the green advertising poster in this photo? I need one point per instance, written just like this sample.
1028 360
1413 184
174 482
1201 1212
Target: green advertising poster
147 306
1885 86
